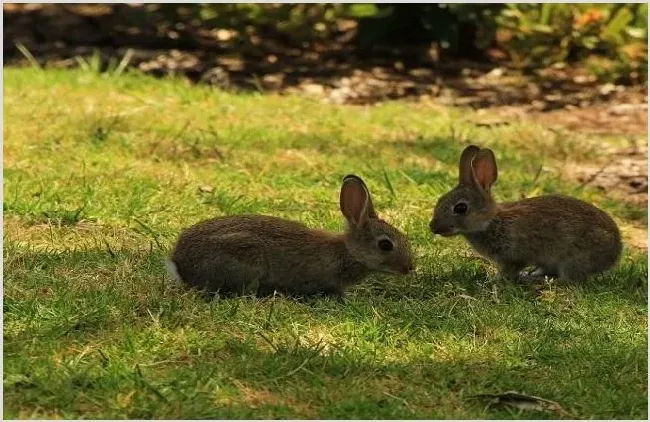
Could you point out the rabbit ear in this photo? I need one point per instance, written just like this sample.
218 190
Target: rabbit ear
484 167
465 174
355 201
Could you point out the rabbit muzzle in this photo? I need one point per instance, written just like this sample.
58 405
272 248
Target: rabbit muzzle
402 269
400 266
408 268
443 230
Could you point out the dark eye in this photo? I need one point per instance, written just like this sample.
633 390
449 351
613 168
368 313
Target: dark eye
460 208
385 245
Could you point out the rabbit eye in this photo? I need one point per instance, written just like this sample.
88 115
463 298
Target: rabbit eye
460 208
385 245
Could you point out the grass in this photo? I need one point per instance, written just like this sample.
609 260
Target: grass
101 174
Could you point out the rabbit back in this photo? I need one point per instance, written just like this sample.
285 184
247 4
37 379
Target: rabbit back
561 234
259 254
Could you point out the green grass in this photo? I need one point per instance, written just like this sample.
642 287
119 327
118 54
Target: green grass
101 174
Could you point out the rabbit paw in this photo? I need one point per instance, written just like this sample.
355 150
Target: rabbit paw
510 271
338 295
540 271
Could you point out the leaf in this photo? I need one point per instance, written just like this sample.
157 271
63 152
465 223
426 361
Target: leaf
590 42
545 29
389 185
363 10
522 401
546 13
639 33
617 24
642 15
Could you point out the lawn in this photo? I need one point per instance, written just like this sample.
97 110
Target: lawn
101 172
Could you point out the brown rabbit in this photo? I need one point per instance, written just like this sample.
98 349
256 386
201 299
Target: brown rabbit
559 235
259 254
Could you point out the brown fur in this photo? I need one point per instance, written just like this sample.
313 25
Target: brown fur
259 254
560 235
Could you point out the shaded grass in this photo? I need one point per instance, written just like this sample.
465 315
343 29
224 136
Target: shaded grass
101 174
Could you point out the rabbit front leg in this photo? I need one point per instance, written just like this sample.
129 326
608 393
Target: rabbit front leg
541 272
336 293
573 271
538 272
510 270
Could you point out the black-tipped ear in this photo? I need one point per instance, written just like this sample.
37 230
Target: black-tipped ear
355 201
465 175
485 170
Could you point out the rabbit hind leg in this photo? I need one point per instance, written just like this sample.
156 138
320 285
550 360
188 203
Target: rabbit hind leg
544 271
573 271
511 270
233 275
336 293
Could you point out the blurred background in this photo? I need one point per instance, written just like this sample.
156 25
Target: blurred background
353 53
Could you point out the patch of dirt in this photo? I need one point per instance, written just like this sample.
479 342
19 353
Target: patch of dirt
256 397
615 118
635 236
624 175
623 115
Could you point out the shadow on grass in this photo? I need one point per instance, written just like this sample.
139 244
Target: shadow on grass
139 278
434 276
414 347
238 379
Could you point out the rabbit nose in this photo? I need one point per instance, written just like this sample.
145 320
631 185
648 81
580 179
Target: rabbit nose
438 228
407 267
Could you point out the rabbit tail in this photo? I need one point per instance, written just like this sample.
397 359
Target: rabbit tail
172 270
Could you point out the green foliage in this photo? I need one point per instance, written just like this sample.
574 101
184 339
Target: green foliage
458 29
297 22
612 38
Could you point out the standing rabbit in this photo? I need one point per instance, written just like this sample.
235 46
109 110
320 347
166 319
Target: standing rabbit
260 254
559 235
